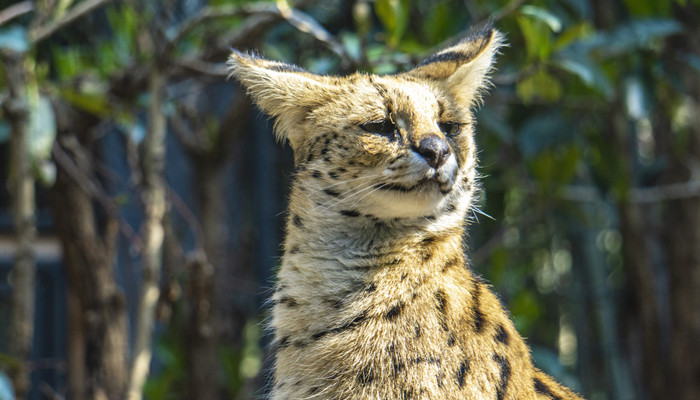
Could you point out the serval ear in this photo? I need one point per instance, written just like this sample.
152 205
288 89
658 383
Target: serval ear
462 70
283 91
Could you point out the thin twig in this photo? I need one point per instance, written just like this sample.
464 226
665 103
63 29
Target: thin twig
155 206
178 204
83 8
298 19
15 11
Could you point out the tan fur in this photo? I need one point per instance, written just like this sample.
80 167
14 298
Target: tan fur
375 298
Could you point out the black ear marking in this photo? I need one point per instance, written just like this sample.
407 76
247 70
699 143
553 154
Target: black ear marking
478 39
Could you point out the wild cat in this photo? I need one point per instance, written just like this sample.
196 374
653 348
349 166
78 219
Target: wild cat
375 298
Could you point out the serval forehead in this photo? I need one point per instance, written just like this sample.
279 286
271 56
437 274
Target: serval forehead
392 94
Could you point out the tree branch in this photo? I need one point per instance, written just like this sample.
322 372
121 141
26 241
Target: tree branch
152 162
21 187
42 32
15 11
298 19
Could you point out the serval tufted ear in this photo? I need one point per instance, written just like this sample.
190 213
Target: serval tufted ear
462 70
283 91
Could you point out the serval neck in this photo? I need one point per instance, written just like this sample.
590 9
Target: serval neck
321 229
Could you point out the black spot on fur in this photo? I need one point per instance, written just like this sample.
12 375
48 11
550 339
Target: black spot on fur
418 330
394 311
479 318
314 390
365 376
290 302
541 387
282 342
451 340
429 360
461 373
342 328
451 263
331 192
333 175
429 239
316 174
431 218
501 334
396 363
439 378
296 220
294 249
441 299
350 213
502 362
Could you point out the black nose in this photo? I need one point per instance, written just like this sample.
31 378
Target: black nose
434 149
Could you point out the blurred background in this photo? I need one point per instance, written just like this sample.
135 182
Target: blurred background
143 196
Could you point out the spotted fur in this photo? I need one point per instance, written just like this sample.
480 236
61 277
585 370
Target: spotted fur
375 298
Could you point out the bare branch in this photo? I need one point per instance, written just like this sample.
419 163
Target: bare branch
42 32
21 187
15 11
300 20
155 205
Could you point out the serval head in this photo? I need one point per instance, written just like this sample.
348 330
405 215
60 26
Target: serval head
388 147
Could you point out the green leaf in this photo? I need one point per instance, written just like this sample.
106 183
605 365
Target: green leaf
648 7
394 15
626 38
93 103
537 37
589 72
14 38
540 85
543 15
438 23
574 33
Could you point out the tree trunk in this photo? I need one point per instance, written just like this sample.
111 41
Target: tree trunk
681 233
152 164
98 337
21 186
211 308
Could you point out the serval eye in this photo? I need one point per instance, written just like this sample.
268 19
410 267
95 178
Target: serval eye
384 128
450 129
